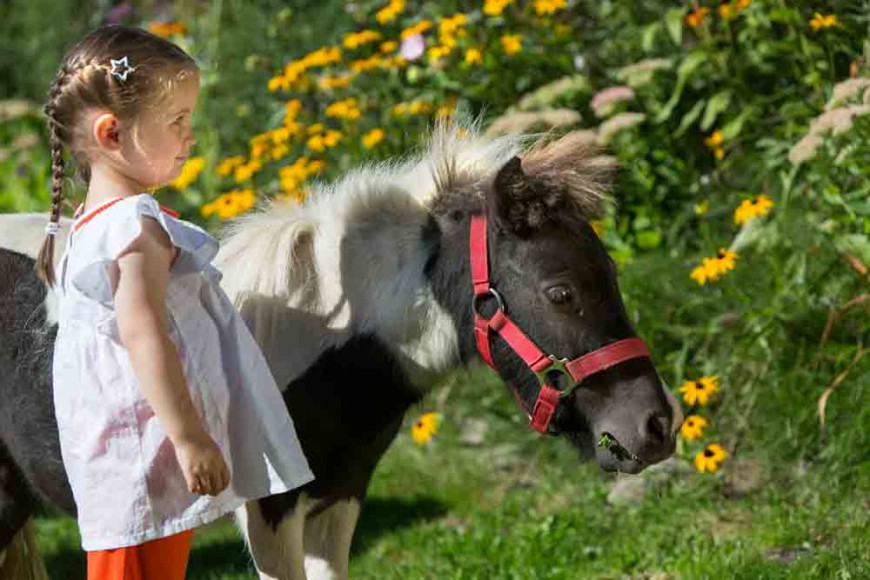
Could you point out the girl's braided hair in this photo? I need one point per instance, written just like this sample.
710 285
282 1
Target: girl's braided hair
88 81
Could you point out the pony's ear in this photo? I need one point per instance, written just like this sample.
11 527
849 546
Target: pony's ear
516 199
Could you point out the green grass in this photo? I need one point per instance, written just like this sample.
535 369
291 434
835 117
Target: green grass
520 506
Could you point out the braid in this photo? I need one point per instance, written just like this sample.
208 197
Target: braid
45 258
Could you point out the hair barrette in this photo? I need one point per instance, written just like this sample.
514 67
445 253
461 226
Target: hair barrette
120 68
51 228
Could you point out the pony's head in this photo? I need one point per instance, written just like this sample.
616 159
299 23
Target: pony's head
551 291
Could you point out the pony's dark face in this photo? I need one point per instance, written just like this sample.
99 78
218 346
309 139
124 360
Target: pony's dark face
559 286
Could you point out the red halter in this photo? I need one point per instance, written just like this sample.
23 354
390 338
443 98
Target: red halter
541 364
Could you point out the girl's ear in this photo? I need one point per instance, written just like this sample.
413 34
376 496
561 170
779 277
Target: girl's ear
106 131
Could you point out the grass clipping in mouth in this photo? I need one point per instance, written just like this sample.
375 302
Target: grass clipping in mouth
610 443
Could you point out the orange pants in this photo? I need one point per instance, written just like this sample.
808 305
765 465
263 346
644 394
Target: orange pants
161 559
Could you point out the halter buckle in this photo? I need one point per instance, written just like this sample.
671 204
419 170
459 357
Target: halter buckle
556 365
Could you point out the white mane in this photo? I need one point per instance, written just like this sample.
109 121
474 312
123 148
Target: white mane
350 260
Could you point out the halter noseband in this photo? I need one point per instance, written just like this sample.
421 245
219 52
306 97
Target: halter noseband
541 364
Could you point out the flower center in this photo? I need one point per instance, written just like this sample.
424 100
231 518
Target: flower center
720 254
699 385
708 453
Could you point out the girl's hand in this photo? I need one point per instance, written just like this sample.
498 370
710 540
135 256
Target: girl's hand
203 466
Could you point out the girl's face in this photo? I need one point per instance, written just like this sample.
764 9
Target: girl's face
159 144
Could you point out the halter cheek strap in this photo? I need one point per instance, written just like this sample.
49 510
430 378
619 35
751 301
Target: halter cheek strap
543 365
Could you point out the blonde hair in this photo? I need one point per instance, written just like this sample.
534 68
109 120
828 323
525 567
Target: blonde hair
88 80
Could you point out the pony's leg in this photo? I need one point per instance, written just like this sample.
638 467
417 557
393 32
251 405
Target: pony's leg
277 550
328 534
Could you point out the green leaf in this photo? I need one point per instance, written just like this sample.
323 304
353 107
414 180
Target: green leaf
674 23
690 117
718 103
687 67
733 127
649 239
856 244
649 36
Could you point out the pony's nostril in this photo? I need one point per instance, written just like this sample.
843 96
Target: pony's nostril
658 428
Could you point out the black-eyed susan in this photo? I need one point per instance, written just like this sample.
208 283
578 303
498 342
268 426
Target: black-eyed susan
751 209
711 269
373 137
512 43
820 21
473 56
714 142
389 12
699 391
230 204
693 427
495 7
189 172
425 427
167 29
545 7
710 458
696 17
226 167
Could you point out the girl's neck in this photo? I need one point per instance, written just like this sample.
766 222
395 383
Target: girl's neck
107 183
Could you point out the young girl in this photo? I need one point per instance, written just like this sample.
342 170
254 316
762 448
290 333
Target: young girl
168 415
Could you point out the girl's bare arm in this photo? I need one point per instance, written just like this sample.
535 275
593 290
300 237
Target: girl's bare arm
140 308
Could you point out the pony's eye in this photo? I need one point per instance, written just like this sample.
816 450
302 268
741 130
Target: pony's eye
559 295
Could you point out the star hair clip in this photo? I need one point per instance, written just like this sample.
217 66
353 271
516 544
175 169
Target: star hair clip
121 68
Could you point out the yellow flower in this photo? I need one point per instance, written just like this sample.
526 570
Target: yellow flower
543 7
389 12
711 269
750 209
189 173
425 428
698 392
246 171
495 7
167 29
710 458
820 21
291 110
742 4
436 53
230 204
227 165
335 81
366 64
715 139
416 29
696 17
291 176
726 11
473 56
693 427
346 109
714 142
702 207
389 46
372 138
355 40
512 43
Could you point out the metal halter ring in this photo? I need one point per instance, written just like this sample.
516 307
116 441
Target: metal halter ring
478 299
560 366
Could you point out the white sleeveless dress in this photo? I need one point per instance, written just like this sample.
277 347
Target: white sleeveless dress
126 480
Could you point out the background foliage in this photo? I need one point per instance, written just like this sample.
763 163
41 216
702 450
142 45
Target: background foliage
706 105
